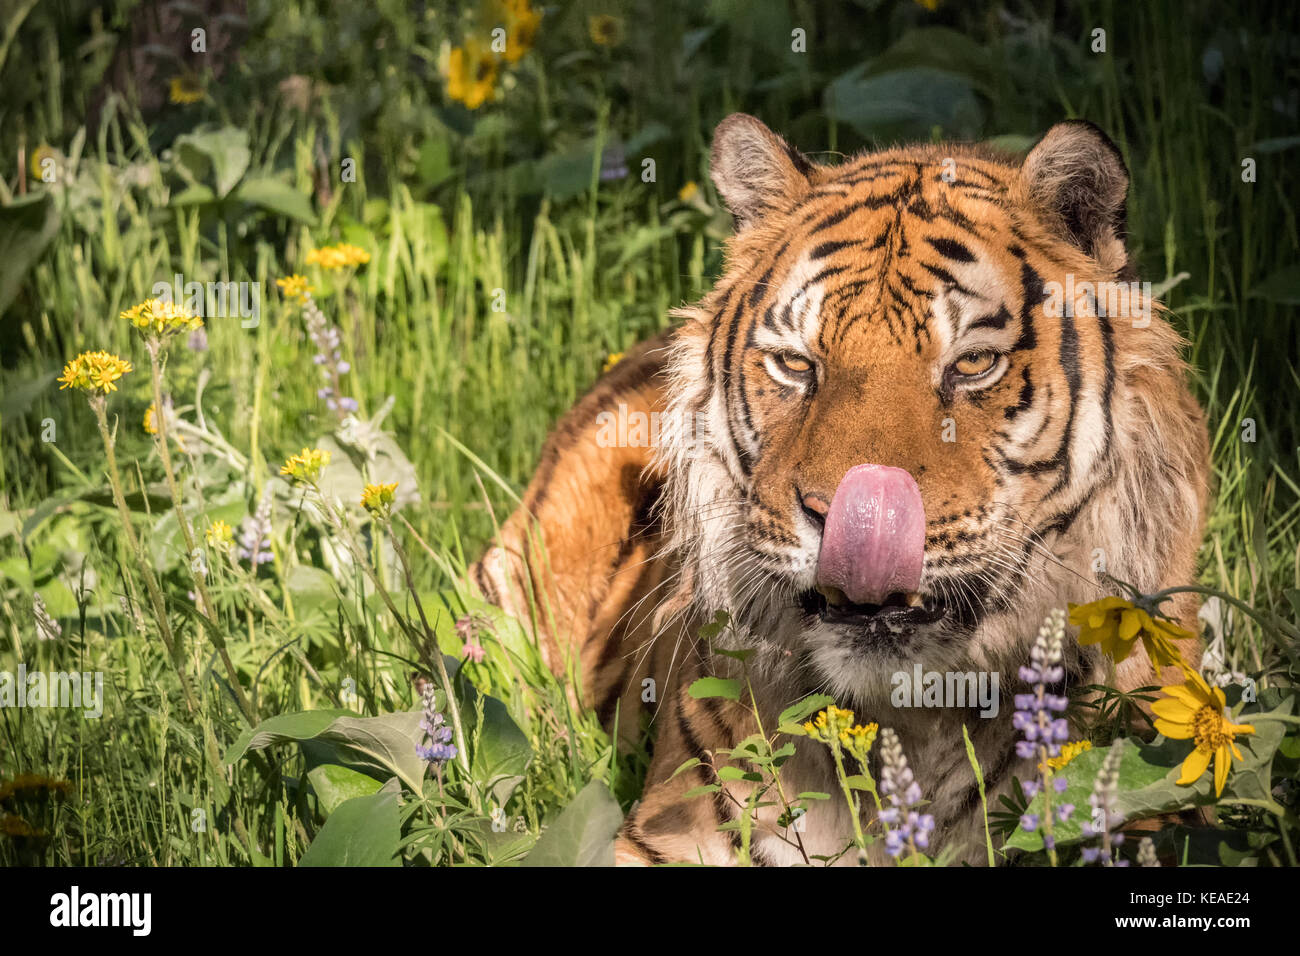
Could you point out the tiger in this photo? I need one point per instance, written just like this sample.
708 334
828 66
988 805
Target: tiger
885 440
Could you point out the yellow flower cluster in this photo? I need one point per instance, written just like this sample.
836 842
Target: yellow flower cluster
1068 752
220 536
338 256
472 69
835 725
296 286
161 317
150 423
378 499
306 465
613 360
94 372
185 90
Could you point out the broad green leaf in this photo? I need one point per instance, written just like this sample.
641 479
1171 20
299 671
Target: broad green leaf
715 687
217 156
583 835
384 744
1147 780
334 784
362 831
802 710
499 750
26 227
277 197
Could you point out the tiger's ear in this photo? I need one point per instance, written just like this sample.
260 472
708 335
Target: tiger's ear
755 170
1076 176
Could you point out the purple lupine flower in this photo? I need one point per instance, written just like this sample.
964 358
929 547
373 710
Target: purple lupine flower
438 748
1037 713
329 357
904 793
255 534
1105 815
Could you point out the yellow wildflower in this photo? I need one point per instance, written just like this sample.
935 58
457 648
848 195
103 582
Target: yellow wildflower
1195 711
220 536
1068 752
1116 624
149 424
295 286
37 163
605 30
521 29
306 465
613 360
338 256
689 191
161 317
378 499
185 90
94 372
471 75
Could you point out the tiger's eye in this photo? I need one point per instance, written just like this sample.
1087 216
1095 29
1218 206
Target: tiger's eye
794 363
975 363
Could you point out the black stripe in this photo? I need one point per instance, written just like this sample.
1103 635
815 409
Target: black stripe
952 249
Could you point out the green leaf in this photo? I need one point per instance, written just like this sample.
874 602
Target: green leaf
798 712
27 226
979 780
334 785
715 687
1282 287
362 831
500 751
583 835
277 197
906 103
1147 780
383 745
221 155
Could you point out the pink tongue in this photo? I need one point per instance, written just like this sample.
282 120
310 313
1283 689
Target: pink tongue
874 540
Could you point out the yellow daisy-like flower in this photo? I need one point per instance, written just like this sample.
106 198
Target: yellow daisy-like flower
295 286
857 740
220 536
94 372
161 317
829 724
37 163
689 191
605 30
613 360
150 424
306 465
471 75
338 256
378 499
1117 625
1195 711
521 29
1068 752
185 90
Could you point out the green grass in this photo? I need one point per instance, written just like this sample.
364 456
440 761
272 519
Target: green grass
454 206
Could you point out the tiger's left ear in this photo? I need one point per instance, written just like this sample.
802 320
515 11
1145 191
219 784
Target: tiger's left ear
1076 176
756 171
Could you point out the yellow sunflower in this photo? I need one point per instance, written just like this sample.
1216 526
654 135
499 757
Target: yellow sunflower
1195 711
1116 624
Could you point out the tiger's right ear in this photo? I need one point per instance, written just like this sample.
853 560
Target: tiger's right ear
755 170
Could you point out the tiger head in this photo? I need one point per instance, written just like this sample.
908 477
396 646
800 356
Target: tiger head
925 404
